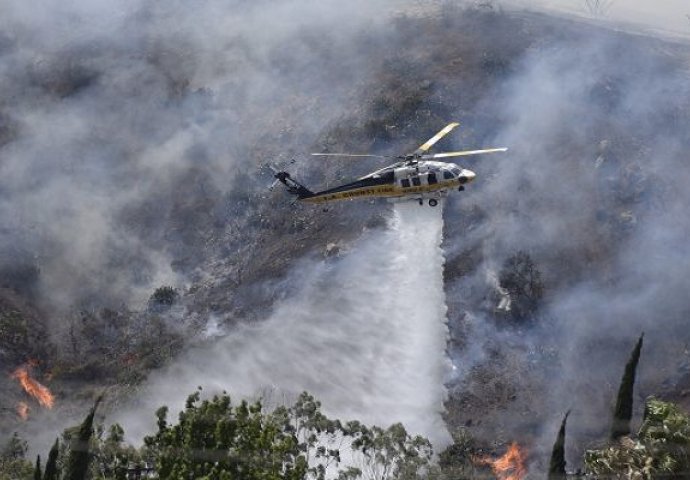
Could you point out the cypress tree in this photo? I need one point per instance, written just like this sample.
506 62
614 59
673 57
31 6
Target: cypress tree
37 468
557 464
78 458
51 472
622 413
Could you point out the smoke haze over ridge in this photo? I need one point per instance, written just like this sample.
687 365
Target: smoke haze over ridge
165 95
365 334
116 116
593 189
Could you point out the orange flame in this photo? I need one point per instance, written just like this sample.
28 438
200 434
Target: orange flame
23 410
33 388
511 466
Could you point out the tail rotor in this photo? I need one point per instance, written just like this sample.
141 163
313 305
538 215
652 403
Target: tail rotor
277 172
293 186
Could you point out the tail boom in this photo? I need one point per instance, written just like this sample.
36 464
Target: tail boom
293 186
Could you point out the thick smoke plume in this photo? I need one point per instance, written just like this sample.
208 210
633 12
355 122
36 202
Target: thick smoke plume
124 125
594 189
130 133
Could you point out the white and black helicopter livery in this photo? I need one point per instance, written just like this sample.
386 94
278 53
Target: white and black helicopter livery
416 176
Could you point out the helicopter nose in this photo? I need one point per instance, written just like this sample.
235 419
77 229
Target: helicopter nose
466 176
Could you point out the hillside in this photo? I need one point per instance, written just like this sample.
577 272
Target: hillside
169 188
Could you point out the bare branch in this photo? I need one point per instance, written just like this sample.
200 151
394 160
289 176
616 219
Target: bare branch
598 8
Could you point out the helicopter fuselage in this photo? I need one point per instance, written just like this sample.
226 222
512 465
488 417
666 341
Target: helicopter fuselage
415 180
417 175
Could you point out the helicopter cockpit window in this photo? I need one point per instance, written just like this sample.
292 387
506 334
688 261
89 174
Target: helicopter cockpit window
388 177
455 170
416 181
432 178
447 175
405 183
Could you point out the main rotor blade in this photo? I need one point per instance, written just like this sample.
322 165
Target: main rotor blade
352 155
426 146
272 168
463 153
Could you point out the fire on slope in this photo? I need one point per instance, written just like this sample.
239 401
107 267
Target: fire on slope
510 466
23 410
38 391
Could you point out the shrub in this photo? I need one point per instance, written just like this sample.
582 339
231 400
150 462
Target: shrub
163 298
522 279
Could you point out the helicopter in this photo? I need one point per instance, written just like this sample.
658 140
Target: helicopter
415 176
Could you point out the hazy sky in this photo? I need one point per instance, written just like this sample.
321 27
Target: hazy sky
668 15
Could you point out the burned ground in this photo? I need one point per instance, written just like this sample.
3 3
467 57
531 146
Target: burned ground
232 243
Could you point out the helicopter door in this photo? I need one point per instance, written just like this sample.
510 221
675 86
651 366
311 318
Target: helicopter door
406 177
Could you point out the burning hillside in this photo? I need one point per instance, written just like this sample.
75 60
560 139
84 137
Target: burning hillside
139 229
33 388
509 466
23 410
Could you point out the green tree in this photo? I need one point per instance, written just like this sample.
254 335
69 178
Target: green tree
37 468
622 413
111 455
557 464
521 278
163 298
318 436
15 447
216 439
387 454
78 457
13 464
661 449
665 431
457 461
51 471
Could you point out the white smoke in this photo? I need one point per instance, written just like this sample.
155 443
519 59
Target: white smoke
366 334
111 109
560 194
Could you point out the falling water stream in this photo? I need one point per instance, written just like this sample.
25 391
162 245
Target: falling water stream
366 334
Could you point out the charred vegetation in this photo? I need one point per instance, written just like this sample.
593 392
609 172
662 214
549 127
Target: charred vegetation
234 244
